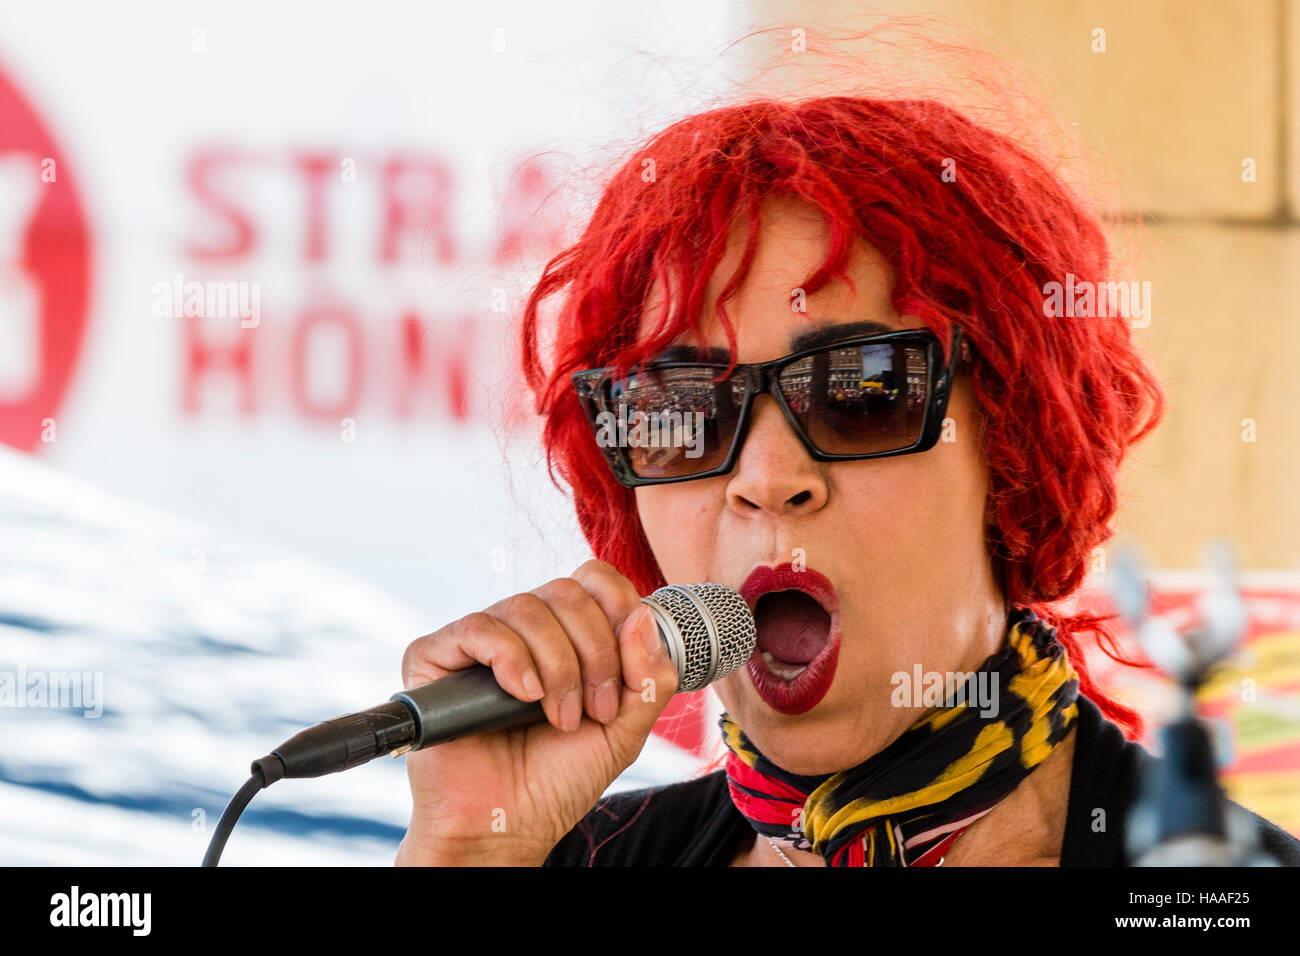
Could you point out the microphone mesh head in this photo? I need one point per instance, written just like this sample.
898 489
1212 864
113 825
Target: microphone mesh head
708 628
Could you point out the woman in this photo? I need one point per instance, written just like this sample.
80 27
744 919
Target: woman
925 470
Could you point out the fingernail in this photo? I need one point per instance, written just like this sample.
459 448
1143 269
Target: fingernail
606 701
650 636
571 711
533 684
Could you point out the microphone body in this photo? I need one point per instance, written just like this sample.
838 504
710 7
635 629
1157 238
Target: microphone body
707 629
470 701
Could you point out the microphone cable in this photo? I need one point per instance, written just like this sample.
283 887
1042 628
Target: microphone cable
264 773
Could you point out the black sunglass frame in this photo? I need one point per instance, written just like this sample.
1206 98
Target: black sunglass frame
592 387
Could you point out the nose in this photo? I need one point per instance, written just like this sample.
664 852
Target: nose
774 473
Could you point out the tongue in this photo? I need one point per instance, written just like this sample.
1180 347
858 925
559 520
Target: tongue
792 627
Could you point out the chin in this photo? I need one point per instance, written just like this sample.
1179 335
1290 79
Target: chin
798 744
803 753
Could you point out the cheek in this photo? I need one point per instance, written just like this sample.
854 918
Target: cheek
921 511
961 465
681 522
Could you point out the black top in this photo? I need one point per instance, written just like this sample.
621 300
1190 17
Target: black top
694 823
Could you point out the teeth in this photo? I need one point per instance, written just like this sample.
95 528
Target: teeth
785 673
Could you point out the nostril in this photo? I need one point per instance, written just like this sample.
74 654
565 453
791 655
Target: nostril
801 497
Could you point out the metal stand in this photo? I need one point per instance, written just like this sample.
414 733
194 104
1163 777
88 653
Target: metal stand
1181 816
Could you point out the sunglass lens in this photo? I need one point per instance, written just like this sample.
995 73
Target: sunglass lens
860 399
672 422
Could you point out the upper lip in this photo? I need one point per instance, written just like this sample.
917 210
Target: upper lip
785 577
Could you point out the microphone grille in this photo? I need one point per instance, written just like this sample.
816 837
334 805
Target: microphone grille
708 629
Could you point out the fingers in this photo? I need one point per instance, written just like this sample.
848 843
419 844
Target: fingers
649 682
641 652
591 636
552 647
613 592
477 638
557 643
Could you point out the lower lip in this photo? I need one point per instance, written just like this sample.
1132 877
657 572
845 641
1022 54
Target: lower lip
805 692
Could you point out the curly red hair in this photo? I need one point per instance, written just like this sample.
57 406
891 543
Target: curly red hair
1062 399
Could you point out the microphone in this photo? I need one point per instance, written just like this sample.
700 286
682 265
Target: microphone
707 629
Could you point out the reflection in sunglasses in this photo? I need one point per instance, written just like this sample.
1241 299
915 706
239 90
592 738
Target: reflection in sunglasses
658 428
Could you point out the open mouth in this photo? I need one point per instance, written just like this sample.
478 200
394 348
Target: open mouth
797 617
792 630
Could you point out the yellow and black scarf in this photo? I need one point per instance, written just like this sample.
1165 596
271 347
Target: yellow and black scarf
905 805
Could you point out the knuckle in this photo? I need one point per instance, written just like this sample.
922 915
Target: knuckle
526 607
478 623
603 578
416 658
608 575
533 620
566 674
607 656
565 591
597 568
603 660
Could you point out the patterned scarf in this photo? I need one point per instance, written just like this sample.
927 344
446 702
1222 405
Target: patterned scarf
905 805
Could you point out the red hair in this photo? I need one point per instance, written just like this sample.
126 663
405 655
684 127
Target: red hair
1062 399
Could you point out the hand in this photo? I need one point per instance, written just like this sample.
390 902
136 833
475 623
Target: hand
588 648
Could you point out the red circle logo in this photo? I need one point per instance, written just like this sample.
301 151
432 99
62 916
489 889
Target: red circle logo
44 272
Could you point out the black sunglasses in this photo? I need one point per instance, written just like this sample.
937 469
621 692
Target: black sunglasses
870 396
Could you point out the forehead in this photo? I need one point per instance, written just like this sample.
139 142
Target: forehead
771 312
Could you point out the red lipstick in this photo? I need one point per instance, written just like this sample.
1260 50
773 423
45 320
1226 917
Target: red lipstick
802 692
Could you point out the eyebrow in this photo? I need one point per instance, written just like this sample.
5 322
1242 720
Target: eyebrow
811 339
827 334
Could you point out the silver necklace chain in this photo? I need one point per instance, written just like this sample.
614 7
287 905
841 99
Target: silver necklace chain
789 862
779 852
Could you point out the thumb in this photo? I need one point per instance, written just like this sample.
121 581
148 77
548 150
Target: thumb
649 682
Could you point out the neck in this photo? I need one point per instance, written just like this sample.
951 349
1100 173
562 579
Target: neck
1028 827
